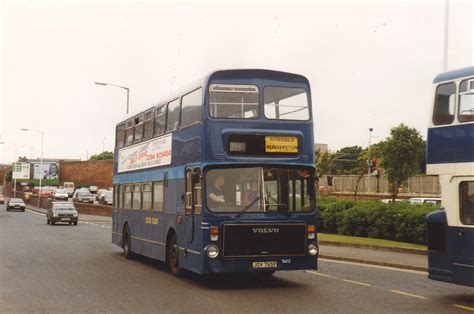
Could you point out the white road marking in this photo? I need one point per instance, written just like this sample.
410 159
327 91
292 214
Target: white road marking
408 294
320 274
467 308
102 226
357 282
377 266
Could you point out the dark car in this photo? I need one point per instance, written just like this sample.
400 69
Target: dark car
16 203
62 212
85 197
2 199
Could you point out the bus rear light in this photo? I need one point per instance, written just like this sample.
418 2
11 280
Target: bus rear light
311 232
214 231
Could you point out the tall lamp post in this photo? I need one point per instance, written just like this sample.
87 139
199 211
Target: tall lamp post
41 163
369 161
123 87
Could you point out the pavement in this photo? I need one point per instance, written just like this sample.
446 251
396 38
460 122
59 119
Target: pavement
65 268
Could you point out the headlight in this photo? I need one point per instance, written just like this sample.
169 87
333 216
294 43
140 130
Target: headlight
313 249
55 214
212 251
75 215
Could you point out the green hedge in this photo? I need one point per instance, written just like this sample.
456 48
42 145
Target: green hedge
399 221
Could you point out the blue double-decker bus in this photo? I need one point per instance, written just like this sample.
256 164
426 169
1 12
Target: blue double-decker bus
450 155
220 178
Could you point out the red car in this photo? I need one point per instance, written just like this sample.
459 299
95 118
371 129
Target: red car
2 199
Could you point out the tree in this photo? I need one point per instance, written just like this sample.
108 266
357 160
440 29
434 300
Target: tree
401 155
324 163
346 160
102 156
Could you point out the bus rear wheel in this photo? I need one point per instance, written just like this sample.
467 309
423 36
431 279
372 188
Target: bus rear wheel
126 244
173 255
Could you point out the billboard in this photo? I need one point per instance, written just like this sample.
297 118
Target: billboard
153 153
47 170
21 170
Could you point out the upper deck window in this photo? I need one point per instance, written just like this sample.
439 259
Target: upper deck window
466 199
129 132
286 103
466 101
191 111
444 104
160 120
138 129
234 101
120 136
173 116
148 125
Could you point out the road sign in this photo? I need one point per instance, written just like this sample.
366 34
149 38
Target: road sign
21 170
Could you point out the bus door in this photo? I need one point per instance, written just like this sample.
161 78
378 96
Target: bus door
192 202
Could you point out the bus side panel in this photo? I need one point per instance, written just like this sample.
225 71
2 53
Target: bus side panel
117 227
450 254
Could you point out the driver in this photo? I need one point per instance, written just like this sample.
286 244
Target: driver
216 193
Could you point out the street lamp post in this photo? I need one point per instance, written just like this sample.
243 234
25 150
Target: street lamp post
369 161
41 163
123 87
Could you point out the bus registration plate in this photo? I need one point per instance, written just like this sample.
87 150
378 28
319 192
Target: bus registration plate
270 264
281 144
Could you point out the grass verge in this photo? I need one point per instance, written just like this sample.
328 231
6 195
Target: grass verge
369 241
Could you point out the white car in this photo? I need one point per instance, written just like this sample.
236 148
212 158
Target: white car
60 194
425 200
93 189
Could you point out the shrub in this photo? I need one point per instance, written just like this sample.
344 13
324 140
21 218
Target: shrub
396 221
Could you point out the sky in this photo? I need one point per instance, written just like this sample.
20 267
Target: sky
370 63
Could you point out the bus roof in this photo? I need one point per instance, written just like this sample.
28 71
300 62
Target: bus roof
454 74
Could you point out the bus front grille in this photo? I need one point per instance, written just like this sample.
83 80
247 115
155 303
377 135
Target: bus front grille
256 240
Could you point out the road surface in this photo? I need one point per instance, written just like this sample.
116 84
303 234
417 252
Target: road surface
66 268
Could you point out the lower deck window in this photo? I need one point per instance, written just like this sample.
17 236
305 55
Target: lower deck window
466 199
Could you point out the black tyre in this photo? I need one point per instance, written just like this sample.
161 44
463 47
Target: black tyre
47 221
126 244
52 222
75 223
70 223
173 255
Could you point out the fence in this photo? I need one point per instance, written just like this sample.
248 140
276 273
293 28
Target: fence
421 184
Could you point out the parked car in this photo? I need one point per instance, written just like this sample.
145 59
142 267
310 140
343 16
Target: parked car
44 190
74 195
16 203
100 194
84 197
2 199
60 194
62 212
389 200
425 200
93 189
69 187
107 199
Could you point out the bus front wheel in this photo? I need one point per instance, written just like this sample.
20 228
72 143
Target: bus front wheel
173 255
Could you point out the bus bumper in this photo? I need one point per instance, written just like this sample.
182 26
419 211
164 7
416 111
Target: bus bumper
219 265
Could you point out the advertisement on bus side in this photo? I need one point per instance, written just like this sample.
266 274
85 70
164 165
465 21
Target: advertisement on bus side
153 153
